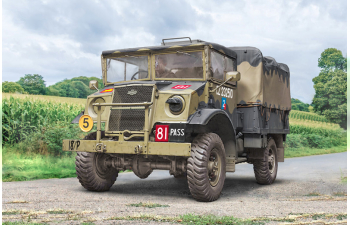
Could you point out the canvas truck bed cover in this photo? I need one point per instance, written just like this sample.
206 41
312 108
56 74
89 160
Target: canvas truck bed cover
263 80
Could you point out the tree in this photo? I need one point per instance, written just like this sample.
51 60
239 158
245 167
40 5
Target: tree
33 84
52 91
81 88
331 87
332 58
299 105
11 87
67 89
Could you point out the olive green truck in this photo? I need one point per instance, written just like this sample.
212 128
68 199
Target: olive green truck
192 107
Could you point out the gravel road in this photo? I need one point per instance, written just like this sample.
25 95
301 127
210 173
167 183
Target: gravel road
303 185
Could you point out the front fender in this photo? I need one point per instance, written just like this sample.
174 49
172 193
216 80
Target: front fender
203 116
76 119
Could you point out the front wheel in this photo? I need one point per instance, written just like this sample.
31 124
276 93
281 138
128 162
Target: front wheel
92 171
265 169
206 168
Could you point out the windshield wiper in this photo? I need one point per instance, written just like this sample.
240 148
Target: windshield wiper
132 56
184 53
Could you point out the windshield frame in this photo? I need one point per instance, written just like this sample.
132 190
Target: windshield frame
174 52
151 63
104 68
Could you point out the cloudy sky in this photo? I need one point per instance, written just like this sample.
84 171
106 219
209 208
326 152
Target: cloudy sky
64 39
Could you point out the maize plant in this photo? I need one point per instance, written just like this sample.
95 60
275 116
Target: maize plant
20 117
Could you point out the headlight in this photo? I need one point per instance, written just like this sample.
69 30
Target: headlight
176 104
98 100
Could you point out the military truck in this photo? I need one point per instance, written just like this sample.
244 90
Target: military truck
192 107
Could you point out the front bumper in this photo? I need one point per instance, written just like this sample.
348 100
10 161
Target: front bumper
128 147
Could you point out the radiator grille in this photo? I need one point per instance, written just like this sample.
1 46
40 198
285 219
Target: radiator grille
129 119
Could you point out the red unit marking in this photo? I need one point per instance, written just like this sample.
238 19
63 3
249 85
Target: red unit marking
107 90
162 133
181 86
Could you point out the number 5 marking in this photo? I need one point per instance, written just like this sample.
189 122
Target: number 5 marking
86 123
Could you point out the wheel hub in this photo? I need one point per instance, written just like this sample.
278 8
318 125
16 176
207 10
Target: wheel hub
101 165
271 161
214 168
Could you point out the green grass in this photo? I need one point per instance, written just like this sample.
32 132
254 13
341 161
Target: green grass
312 194
147 205
24 167
16 167
190 219
21 223
212 219
299 152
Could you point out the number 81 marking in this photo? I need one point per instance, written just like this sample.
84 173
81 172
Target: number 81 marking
162 133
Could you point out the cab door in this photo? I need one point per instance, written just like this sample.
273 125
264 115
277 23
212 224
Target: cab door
223 97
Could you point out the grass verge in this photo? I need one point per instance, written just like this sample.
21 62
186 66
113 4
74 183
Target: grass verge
212 219
16 167
299 152
24 167
147 205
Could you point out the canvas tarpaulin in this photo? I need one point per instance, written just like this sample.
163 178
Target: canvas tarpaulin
263 80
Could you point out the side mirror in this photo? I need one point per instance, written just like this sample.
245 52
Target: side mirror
93 84
233 76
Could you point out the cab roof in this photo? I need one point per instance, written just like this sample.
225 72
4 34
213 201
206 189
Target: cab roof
178 44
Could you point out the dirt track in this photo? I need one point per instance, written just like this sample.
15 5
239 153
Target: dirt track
304 185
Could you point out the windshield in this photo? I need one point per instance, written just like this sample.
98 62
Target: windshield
179 65
127 68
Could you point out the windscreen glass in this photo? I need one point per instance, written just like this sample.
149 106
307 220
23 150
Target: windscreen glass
179 65
127 68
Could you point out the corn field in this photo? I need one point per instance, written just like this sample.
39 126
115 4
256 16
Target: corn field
78 101
306 116
22 116
25 114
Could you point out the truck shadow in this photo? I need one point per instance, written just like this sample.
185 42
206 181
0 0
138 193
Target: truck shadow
168 186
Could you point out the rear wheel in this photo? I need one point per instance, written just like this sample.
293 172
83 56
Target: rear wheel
206 168
266 169
92 170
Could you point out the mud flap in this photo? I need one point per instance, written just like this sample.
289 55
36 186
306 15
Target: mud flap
280 154
76 119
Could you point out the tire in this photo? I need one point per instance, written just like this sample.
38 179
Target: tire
207 153
180 176
91 170
265 170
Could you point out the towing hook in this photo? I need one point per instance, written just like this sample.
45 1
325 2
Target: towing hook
138 149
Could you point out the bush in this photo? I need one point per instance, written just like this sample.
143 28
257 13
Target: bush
296 141
312 141
48 140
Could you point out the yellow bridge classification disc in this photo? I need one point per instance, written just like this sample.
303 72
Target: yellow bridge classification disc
86 123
